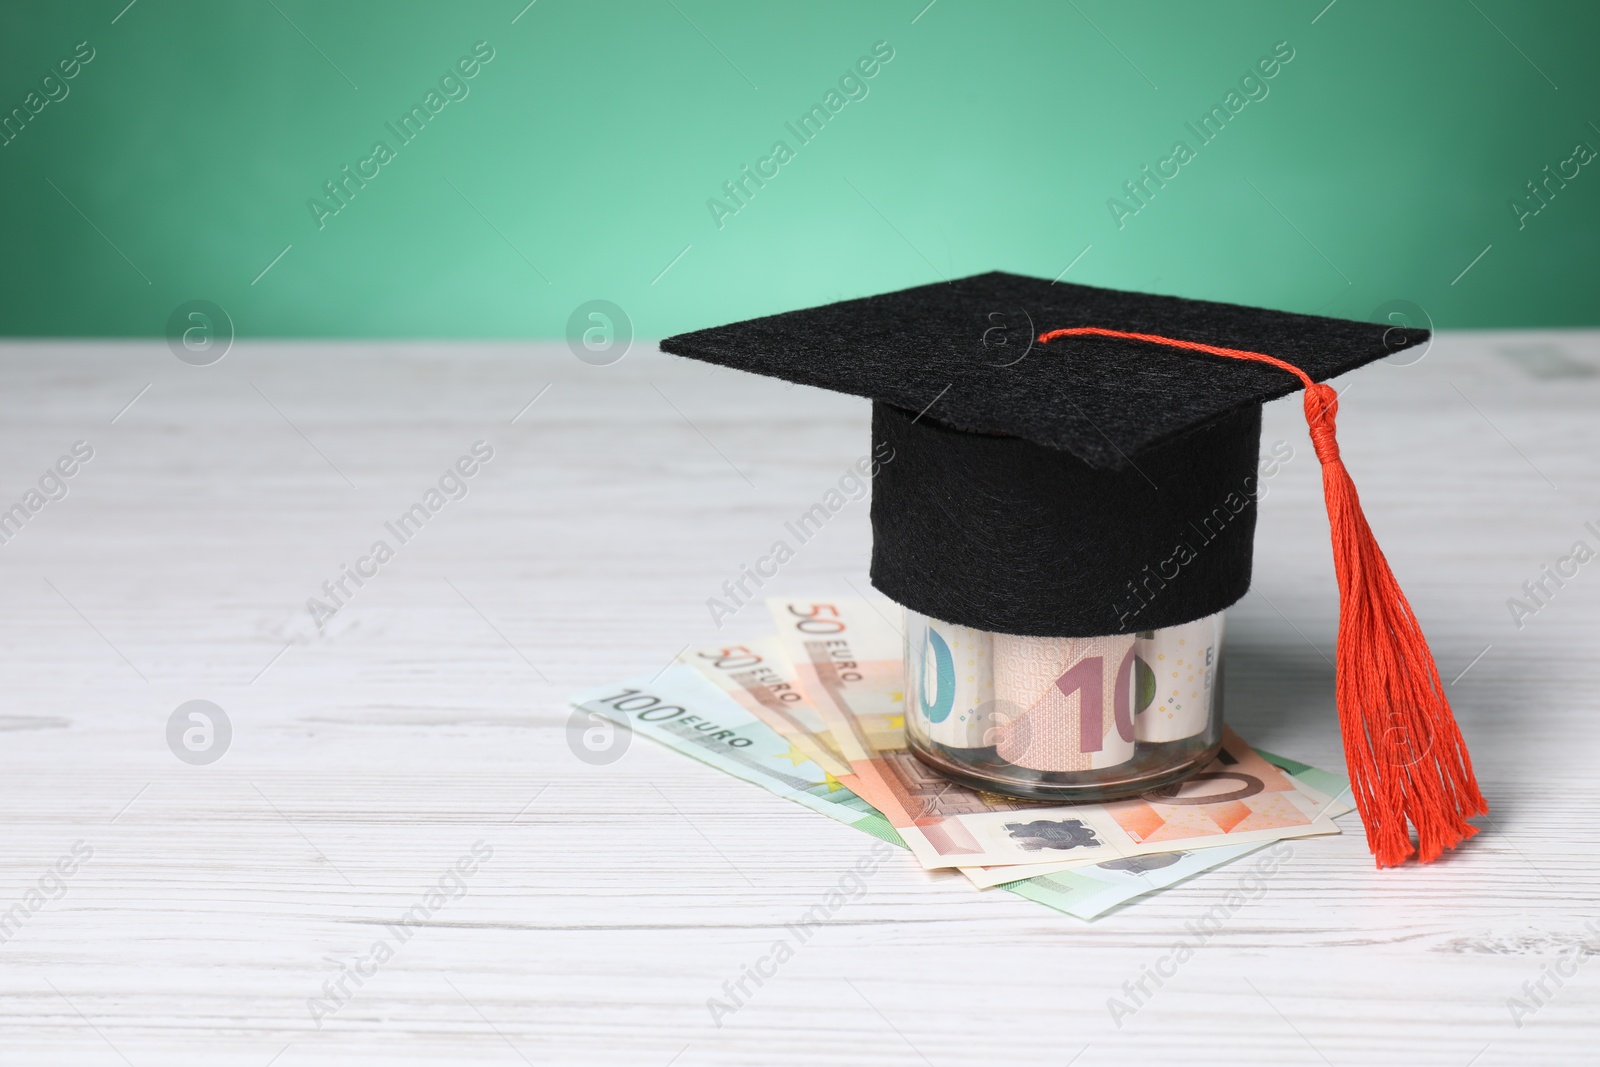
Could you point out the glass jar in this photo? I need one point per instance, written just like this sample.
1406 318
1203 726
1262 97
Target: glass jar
1071 718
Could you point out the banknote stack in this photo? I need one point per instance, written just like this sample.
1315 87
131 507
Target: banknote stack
814 712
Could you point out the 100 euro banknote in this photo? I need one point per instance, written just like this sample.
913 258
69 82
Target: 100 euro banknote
686 712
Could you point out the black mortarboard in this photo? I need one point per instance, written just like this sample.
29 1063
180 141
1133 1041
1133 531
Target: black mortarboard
1051 490
974 341
1066 461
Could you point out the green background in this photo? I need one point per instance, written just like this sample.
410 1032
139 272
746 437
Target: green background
1382 162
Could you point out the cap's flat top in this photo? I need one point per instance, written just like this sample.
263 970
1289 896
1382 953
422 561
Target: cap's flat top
966 351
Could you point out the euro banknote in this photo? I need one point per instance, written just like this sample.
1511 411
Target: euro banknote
847 655
757 675
1316 782
692 715
683 711
1091 891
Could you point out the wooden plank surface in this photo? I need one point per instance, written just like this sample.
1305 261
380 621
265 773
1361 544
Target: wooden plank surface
368 757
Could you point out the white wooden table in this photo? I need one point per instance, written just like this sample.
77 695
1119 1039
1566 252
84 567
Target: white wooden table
366 759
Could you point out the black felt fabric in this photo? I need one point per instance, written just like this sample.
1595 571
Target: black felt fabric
1085 487
964 351
1003 534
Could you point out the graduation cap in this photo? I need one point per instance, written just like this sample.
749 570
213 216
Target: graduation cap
1060 460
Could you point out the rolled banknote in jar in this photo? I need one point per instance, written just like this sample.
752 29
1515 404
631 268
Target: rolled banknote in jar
1176 699
1068 701
951 696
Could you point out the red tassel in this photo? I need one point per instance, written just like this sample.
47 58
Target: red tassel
1407 761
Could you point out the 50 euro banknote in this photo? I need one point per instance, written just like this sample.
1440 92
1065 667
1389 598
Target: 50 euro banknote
847 654
759 677
683 711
